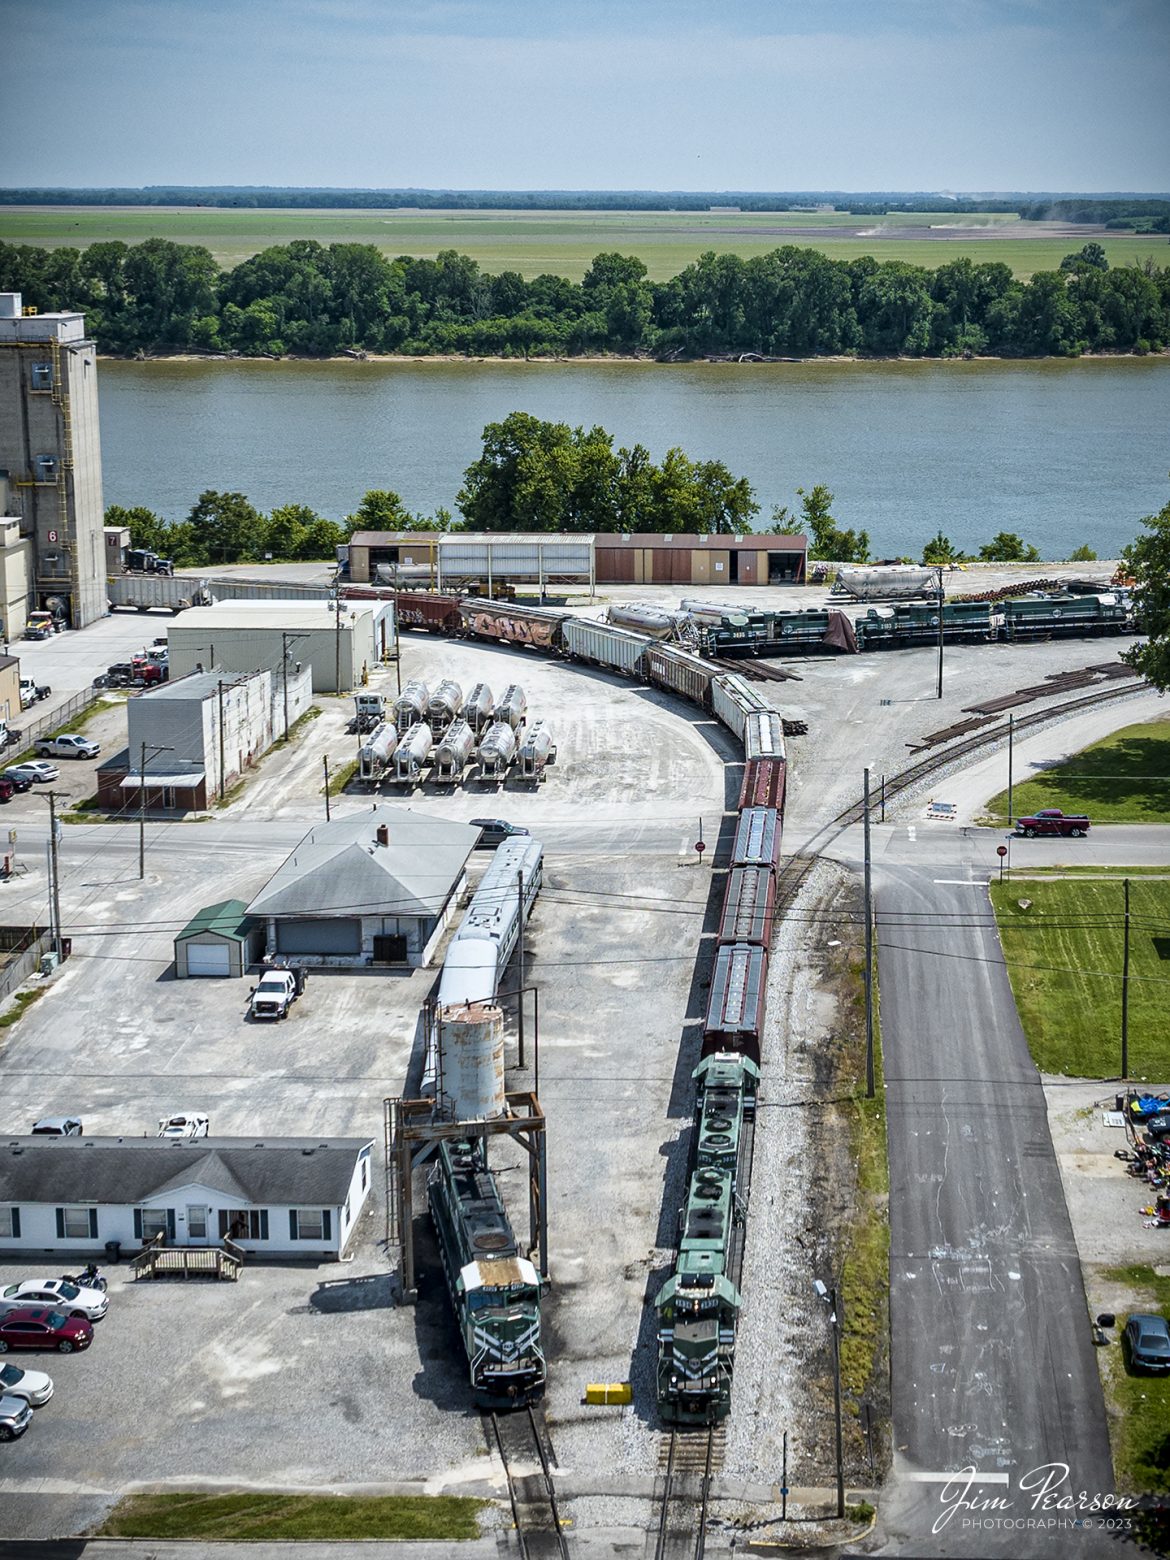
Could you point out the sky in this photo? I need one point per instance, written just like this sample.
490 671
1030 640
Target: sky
946 95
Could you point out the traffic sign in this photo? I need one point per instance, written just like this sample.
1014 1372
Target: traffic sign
1001 850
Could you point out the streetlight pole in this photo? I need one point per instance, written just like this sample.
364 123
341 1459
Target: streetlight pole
142 803
54 877
829 1296
940 631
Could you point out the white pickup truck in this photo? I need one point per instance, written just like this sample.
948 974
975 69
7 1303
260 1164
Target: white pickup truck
68 746
276 993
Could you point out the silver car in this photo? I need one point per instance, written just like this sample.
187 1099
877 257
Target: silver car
59 1293
15 1418
31 1385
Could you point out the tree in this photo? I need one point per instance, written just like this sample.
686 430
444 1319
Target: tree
784 522
940 549
1148 560
146 528
380 510
1007 547
1091 258
227 529
1082 554
287 529
827 538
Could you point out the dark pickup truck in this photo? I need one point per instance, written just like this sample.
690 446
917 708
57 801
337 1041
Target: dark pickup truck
1050 820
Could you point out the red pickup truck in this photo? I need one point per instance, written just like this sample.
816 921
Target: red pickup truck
1050 820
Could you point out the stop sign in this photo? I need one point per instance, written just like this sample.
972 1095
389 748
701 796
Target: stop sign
1001 850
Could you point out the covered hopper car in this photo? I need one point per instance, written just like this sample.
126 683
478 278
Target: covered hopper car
735 1007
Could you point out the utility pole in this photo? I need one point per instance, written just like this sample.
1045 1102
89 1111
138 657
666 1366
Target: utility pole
54 877
284 678
1011 739
870 1082
337 640
222 750
940 631
520 946
326 762
1125 992
397 640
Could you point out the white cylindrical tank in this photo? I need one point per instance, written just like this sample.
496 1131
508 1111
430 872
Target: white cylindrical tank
377 750
710 612
477 711
412 752
497 747
651 621
887 582
411 704
455 749
535 749
471 1053
445 703
511 707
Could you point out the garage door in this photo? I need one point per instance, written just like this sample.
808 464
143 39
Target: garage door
208 959
326 936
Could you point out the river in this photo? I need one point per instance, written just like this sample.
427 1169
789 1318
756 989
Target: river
1061 452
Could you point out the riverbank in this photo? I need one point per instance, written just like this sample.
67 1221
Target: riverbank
742 360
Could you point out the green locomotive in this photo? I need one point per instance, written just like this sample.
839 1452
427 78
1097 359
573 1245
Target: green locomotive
698 1306
495 1290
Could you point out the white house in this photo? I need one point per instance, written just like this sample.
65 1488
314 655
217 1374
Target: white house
280 1197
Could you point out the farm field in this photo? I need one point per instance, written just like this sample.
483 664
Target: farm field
565 242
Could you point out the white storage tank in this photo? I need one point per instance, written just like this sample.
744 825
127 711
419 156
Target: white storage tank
454 750
471 1055
497 748
536 750
889 581
412 752
411 704
444 704
477 710
711 614
643 619
377 750
512 707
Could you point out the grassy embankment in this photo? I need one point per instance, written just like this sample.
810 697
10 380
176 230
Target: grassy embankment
254 1516
1140 1405
1124 778
564 243
1064 956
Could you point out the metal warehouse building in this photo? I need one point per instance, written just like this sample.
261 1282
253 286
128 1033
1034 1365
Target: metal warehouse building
448 560
247 636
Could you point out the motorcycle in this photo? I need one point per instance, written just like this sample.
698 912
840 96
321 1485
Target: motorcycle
88 1278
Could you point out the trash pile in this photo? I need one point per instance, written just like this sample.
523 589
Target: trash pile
1147 1159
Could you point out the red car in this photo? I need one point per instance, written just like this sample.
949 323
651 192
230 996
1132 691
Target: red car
38 1327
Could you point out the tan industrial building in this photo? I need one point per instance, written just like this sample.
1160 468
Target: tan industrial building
9 690
256 636
16 568
450 560
51 453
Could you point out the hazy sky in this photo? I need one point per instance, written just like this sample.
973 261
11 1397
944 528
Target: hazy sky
647 94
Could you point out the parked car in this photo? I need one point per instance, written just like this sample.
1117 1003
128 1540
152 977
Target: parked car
1050 820
17 777
1149 1342
74 1301
275 995
57 1126
31 1385
38 770
183 1124
37 1327
7 790
15 1417
494 831
70 745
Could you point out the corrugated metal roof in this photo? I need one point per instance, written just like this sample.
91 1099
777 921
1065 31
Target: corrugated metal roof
270 615
229 918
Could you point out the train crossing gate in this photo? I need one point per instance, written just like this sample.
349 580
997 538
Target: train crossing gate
413 1131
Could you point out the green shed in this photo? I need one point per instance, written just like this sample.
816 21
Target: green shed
220 939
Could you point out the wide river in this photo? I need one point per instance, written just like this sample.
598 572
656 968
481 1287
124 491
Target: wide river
1061 452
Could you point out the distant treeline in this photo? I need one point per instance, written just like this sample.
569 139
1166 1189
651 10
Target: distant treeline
1036 207
315 300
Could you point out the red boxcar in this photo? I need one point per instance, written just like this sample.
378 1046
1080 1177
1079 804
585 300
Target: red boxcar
425 609
748 906
735 1010
763 784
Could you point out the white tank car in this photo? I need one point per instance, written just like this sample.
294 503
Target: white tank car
411 704
412 752
887 581
536 750
444 704
512 706
497 748
710 613
654 622
478 707
453 751
377 750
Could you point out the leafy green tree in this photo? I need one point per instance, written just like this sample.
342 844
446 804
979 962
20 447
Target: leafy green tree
1082 554
380 510
146 528
286 529
321 539
940 549
1007 547
827 539
226 528
784 522
1090 258
1148 561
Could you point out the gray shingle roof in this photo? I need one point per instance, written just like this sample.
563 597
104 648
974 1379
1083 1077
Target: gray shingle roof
339 869
302 1172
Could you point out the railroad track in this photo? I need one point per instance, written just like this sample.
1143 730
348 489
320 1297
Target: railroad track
524 1449
688 1459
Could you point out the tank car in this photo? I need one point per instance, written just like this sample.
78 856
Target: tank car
411 705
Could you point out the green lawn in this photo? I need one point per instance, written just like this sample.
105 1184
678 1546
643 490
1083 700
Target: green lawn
1124 778
565 242
255 1516
1064 958
1140 1428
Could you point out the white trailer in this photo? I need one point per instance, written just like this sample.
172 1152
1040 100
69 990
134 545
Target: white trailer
375 753
537 750
453 751
412 753
497 748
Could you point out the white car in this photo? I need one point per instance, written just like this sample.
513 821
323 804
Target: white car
60 1294
31 1385
39 770
183 1124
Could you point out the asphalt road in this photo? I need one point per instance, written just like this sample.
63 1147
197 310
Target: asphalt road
993 1365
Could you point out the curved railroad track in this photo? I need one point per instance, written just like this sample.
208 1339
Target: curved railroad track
521 1439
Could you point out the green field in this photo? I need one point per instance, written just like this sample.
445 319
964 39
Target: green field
1064 956
1124 778
254 1517
565 242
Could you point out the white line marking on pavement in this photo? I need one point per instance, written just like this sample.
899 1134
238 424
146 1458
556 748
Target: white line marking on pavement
964 882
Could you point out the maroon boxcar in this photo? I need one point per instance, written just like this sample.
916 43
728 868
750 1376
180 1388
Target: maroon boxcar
757 838
681 672
763 784
426 609
735 1009
748 906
